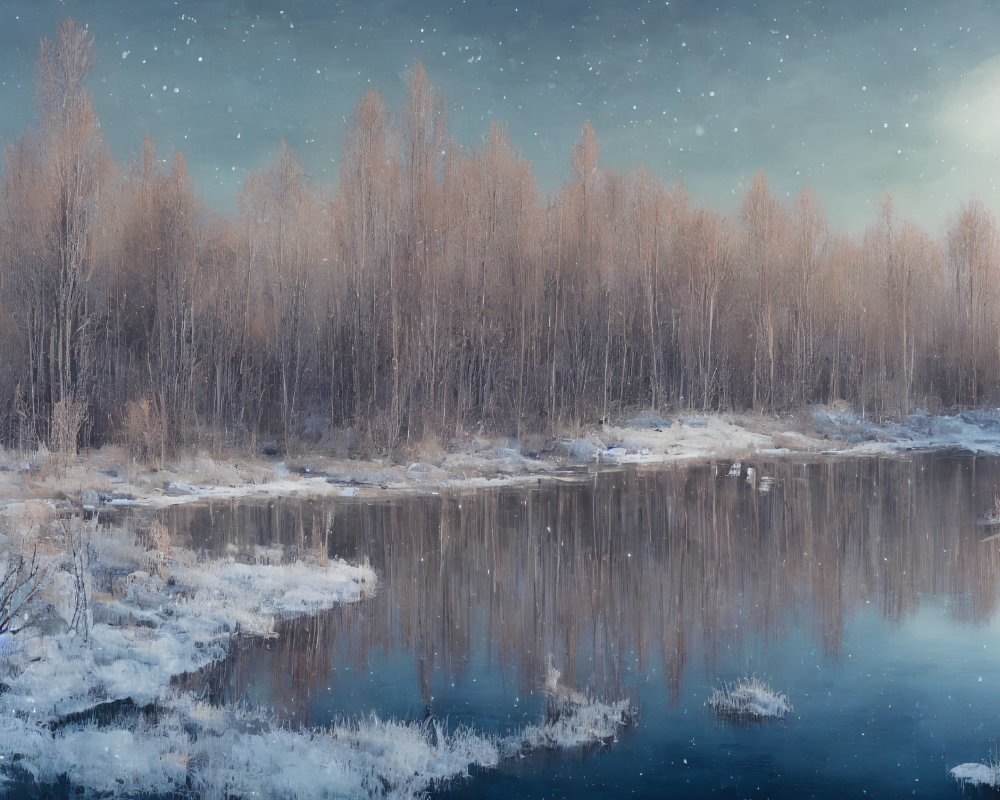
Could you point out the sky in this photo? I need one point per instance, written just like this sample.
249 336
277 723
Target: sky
856 97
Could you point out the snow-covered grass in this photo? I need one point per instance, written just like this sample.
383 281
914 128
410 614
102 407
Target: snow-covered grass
572 719
96 707
152 612
691 438
192 750
118 548
368 757
189 748
749 699
569 724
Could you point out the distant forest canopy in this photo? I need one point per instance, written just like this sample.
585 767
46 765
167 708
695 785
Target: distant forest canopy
436 292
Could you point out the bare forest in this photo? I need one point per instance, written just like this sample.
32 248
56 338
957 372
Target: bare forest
438 290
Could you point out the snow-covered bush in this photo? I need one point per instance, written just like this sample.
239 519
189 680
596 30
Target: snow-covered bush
749 699
975 774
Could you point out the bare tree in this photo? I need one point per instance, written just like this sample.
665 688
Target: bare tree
973 254
54 175
437 293
21 580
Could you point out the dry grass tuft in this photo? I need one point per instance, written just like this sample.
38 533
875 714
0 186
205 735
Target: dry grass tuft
146 432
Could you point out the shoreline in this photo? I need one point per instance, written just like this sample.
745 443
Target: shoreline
32 485
106 478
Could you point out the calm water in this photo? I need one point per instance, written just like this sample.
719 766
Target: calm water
864 589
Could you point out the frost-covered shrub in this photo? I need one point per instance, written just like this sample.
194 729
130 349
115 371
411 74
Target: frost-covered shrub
975 774
749 699
116 549
570 724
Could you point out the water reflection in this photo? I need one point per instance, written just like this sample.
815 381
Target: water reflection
617 575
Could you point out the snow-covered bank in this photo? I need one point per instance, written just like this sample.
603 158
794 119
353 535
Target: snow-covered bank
107 479
185 747
89 700
150 617
825 431
189 748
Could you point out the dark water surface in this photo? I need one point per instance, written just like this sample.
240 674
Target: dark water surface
862 588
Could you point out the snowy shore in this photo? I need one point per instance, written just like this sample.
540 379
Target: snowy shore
86 670
106 478
91 700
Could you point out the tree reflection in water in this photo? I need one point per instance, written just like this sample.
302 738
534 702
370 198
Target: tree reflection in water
616 573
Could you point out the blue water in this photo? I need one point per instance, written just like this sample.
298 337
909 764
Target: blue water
864 589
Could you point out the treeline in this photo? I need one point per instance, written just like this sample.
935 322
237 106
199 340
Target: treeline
439 291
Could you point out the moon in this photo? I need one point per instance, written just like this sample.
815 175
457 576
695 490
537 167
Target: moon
971 111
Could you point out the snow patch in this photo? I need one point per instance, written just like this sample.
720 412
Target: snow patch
150 630
975 430
648 419
693 438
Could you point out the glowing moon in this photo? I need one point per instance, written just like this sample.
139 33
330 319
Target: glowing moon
971 112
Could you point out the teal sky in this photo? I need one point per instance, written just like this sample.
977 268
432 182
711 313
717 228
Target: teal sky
855 96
